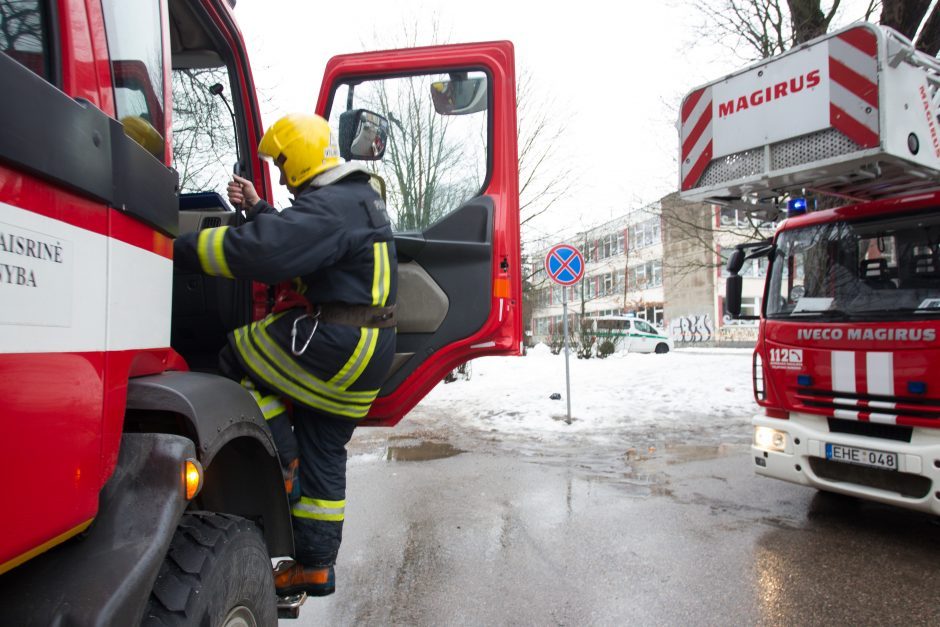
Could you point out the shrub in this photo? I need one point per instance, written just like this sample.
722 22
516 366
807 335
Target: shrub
585 346
605 349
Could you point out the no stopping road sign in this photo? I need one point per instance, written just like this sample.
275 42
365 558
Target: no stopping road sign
564 264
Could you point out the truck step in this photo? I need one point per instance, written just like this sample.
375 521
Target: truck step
289 606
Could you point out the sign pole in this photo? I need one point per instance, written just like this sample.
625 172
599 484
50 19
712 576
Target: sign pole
564 313
565 266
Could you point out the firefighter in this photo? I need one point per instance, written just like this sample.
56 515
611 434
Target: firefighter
328 345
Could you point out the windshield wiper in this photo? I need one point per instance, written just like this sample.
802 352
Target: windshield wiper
919 311
828 314
870 314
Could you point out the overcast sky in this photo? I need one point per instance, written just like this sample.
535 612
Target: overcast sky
610 69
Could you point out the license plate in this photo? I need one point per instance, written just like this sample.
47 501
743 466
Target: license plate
862 456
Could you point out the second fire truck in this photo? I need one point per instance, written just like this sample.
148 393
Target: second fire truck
843 131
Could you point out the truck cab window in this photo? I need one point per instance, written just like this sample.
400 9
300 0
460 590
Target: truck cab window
433 162
24 34
136 48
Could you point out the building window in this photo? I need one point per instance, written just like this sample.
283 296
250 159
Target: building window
750 306
645 275
652 313
738 218
645 234
732 217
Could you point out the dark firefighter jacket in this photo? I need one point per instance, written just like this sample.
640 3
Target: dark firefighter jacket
336 243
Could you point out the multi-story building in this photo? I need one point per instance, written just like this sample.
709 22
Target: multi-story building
697 240
664 263
623 274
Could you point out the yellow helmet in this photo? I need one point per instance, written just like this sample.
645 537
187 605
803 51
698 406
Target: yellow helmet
143 132
302 145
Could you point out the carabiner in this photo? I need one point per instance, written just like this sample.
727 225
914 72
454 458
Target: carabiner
293 333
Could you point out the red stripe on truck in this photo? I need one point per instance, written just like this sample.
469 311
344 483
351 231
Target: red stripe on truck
859 85
696 132
690 103
852 128
861 38
699 167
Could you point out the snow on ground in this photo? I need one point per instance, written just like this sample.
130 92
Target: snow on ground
638 397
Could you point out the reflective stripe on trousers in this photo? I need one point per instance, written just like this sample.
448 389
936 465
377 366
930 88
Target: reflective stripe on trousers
319 509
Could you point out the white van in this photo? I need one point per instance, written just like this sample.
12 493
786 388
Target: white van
629 333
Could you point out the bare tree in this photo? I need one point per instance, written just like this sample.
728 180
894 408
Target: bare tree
21 33
689 227
808 20
426 160
204 145
757 29
750 28
543 179
911 19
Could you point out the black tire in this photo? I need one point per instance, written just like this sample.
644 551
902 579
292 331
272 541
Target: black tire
217 572
662 349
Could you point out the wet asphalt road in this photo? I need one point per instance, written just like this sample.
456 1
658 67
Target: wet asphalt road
666 529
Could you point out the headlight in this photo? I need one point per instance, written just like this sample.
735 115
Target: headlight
770 439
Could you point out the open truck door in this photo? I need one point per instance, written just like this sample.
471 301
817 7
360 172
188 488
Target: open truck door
437 126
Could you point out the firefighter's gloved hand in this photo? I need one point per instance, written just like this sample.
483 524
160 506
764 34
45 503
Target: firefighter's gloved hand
241 193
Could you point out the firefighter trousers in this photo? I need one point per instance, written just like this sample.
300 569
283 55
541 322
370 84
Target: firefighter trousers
319 440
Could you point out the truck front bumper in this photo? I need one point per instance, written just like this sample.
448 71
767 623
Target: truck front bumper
794 450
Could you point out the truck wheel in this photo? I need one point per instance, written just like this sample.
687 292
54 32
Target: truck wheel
662 348
216 573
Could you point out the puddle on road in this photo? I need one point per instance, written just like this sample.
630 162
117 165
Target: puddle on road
684 453
411 450
672 453
646 473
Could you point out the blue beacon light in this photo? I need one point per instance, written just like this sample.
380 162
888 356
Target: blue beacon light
796 206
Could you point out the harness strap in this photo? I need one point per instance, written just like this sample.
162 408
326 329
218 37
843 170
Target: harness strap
358 315
338 313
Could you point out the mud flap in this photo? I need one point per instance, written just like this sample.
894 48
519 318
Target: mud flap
104 576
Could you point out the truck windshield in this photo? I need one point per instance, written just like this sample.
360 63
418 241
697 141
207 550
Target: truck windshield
884 268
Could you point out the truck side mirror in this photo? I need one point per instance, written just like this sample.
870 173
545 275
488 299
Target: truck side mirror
733 287
736 261
460 95
363 135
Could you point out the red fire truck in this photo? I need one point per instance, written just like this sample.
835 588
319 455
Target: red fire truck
138 485
843 129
